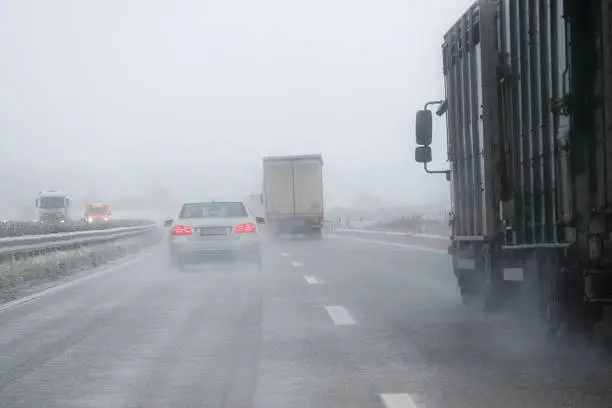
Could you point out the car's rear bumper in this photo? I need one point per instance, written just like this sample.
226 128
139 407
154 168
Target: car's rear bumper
181 247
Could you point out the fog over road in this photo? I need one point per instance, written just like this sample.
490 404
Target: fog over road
344 322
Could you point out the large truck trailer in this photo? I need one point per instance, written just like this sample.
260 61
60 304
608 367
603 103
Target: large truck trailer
293 195
528 109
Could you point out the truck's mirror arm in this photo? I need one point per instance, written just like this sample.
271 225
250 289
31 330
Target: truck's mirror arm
442 108
442 104
447 172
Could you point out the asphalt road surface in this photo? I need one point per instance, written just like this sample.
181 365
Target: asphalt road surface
344 322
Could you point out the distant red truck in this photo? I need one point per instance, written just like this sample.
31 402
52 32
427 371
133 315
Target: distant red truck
97 212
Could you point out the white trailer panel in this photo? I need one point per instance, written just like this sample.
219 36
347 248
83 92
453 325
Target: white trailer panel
278 188
308 189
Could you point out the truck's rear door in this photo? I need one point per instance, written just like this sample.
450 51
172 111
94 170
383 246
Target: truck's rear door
307 182
278 188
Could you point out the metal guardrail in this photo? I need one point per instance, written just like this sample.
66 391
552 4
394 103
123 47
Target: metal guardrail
329 227
14 246
31 228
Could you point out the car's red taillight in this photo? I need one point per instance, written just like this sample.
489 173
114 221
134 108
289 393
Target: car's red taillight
245 228
181 230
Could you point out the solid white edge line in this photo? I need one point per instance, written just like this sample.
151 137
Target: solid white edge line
340 315
312 280
397 401
63 286
397 244
296 264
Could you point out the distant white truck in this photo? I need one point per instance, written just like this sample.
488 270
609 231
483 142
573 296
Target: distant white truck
53 207
293 195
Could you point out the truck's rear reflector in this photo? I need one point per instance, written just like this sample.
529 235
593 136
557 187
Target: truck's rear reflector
181 230
245 228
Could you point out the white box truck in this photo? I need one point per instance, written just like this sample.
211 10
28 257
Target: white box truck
293 195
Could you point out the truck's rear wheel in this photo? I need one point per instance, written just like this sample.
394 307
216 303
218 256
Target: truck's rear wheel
316 234
470 299
571 321
470 286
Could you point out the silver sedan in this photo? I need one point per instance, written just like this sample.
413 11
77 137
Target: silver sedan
207 229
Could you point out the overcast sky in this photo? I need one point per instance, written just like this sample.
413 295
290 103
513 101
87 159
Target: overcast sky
191 94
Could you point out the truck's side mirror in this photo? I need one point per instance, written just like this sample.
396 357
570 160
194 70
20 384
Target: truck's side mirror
423 127
37 203
260 220
422 154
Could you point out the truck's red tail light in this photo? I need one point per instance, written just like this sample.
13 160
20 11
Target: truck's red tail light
245 228
181 230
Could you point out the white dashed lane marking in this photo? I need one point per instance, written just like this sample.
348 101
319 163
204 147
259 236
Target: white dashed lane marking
296 264
340 315
397 401
312 280
284 254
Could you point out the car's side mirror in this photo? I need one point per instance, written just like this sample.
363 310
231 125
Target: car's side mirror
423 127
260 220
168 222
422 154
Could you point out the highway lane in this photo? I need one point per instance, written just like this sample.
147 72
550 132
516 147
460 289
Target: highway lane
433 243
336 323
447 355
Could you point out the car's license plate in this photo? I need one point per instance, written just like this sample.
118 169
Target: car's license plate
212 231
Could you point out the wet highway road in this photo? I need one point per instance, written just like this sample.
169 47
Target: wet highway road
346 322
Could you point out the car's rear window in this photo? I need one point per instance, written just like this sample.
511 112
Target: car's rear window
213 210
